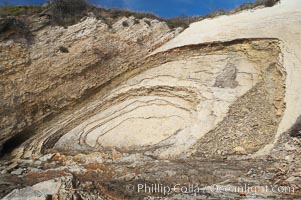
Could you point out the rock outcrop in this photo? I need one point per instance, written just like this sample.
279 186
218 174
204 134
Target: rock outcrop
281 22
175 100
39 79
212 114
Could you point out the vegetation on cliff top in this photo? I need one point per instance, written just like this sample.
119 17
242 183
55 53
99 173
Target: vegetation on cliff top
68 12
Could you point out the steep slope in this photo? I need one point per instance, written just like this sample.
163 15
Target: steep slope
169 102
281 22
206 116
60 67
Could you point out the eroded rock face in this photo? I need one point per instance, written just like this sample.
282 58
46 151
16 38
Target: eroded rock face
163 107
177 100
260 23
198 111
38 80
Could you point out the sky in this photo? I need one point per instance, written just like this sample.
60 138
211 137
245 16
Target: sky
162 8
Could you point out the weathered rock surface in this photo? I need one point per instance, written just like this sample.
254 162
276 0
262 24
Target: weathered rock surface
52 189
214 108
38 80
281 21
167 107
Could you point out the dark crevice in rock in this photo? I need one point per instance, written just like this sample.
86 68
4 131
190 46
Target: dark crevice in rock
16 141
295 130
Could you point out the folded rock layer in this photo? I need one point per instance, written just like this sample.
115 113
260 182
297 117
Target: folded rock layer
217 105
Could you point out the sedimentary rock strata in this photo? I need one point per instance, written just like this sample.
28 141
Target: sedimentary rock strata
217 105
282 22
178 102
38 80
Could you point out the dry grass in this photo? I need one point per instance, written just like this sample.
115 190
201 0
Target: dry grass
68 12
19 10
246 6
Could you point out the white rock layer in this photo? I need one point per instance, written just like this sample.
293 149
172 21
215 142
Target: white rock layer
283 21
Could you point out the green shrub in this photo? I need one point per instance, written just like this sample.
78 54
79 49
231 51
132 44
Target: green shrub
181 21
266 3
68 11
270 3
13 28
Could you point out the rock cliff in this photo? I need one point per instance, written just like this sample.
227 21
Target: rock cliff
137 111
61 67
